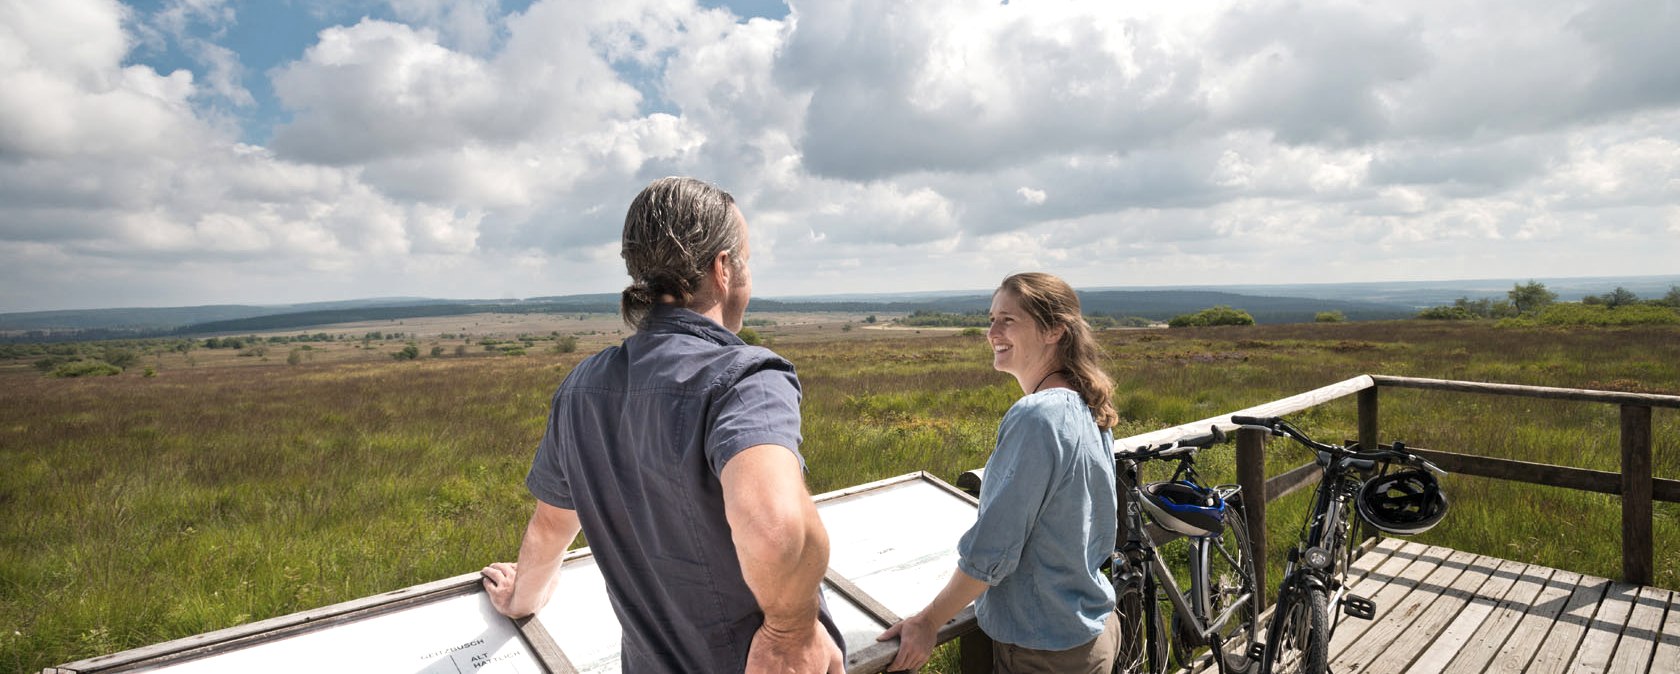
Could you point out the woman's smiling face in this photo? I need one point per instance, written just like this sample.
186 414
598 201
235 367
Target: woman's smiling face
1019 346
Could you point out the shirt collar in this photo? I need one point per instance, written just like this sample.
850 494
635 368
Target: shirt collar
667 318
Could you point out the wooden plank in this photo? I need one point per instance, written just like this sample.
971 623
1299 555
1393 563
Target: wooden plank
1580 395
1560 643
1639 640
273 629
1391 591
1435 615
876 656
1295 478
1599 481
1598 645
1469 620
1379 553
1275 408
542 644
1666 659
1530 607
1636 495
864 600
1383 638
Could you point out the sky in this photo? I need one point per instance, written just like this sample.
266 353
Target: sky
188 152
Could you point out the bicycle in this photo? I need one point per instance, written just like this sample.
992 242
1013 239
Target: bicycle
1221 608
1315 572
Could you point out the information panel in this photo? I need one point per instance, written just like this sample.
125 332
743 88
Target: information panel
892 547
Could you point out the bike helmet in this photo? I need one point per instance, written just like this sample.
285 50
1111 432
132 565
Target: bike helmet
1403 503
1185 508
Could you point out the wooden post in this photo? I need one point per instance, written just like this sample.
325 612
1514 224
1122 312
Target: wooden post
1636 494
974 653
1368 439
1251 474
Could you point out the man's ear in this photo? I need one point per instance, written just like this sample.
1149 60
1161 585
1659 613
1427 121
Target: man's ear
722 271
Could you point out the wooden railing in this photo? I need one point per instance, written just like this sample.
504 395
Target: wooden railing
1634 483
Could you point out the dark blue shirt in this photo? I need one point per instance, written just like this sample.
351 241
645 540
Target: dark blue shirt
637 437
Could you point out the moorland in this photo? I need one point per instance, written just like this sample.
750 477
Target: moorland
204 488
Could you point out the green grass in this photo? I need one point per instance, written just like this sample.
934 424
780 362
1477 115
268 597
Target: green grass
135 510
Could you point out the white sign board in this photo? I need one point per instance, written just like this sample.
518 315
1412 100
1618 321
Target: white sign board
892 547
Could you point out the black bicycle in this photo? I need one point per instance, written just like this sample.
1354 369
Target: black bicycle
1354 481
1221 608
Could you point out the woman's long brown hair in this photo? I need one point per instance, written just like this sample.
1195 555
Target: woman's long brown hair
1052 304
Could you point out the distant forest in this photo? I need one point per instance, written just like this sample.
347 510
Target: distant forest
1122 305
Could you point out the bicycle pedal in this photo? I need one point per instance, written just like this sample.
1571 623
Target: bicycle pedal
1256 651
1359 607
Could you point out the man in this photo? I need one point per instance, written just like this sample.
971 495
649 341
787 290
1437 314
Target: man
676 454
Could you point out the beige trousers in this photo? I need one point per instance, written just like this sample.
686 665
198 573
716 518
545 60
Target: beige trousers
1095 657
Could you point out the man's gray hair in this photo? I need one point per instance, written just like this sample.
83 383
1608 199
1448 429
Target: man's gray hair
673 231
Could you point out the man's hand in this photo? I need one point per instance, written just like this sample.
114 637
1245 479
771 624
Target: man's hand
498 583
915 643
523 588
806 651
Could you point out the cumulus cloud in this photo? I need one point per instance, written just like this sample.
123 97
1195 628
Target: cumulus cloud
459 148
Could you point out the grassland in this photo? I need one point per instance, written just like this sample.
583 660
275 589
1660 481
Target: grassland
138 509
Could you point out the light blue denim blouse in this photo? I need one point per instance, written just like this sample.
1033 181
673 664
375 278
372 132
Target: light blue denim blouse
1046 525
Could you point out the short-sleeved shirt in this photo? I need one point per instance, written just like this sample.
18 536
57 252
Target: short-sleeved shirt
1046 525
637 438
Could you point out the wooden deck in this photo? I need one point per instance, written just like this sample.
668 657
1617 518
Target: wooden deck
1442 610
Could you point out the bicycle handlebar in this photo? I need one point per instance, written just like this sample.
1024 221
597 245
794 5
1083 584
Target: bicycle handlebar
1277 426
1177 447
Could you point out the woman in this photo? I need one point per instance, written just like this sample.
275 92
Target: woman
1047 519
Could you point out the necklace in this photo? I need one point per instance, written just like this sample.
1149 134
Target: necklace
1045 379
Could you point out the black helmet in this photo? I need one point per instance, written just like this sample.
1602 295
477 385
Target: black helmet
1404 503
1186 508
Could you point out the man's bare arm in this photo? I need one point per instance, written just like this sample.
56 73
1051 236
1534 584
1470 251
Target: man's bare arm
783 548
521 589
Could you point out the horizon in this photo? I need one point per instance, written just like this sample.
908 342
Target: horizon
1455 285
206 152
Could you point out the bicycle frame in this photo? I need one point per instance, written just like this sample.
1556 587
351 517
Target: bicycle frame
1140 547
1328 529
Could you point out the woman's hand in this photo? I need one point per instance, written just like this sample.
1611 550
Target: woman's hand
915 643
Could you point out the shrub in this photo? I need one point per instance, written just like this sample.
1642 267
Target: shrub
1217 315
437 351
295 357
566 344
750 336
1603 315
460 349
1447 313
409 352
86 368
123 358
1531 297
1329 317
513 351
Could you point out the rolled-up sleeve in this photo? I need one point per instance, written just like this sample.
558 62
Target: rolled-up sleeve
547 477
760 408
1019 476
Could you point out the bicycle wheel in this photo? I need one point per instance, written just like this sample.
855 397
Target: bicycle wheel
1128 604
1298 641
1230 576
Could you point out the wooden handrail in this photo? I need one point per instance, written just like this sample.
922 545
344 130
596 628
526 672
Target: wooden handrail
1634 483
1575 394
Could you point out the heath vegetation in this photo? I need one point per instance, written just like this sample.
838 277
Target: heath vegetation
231 488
